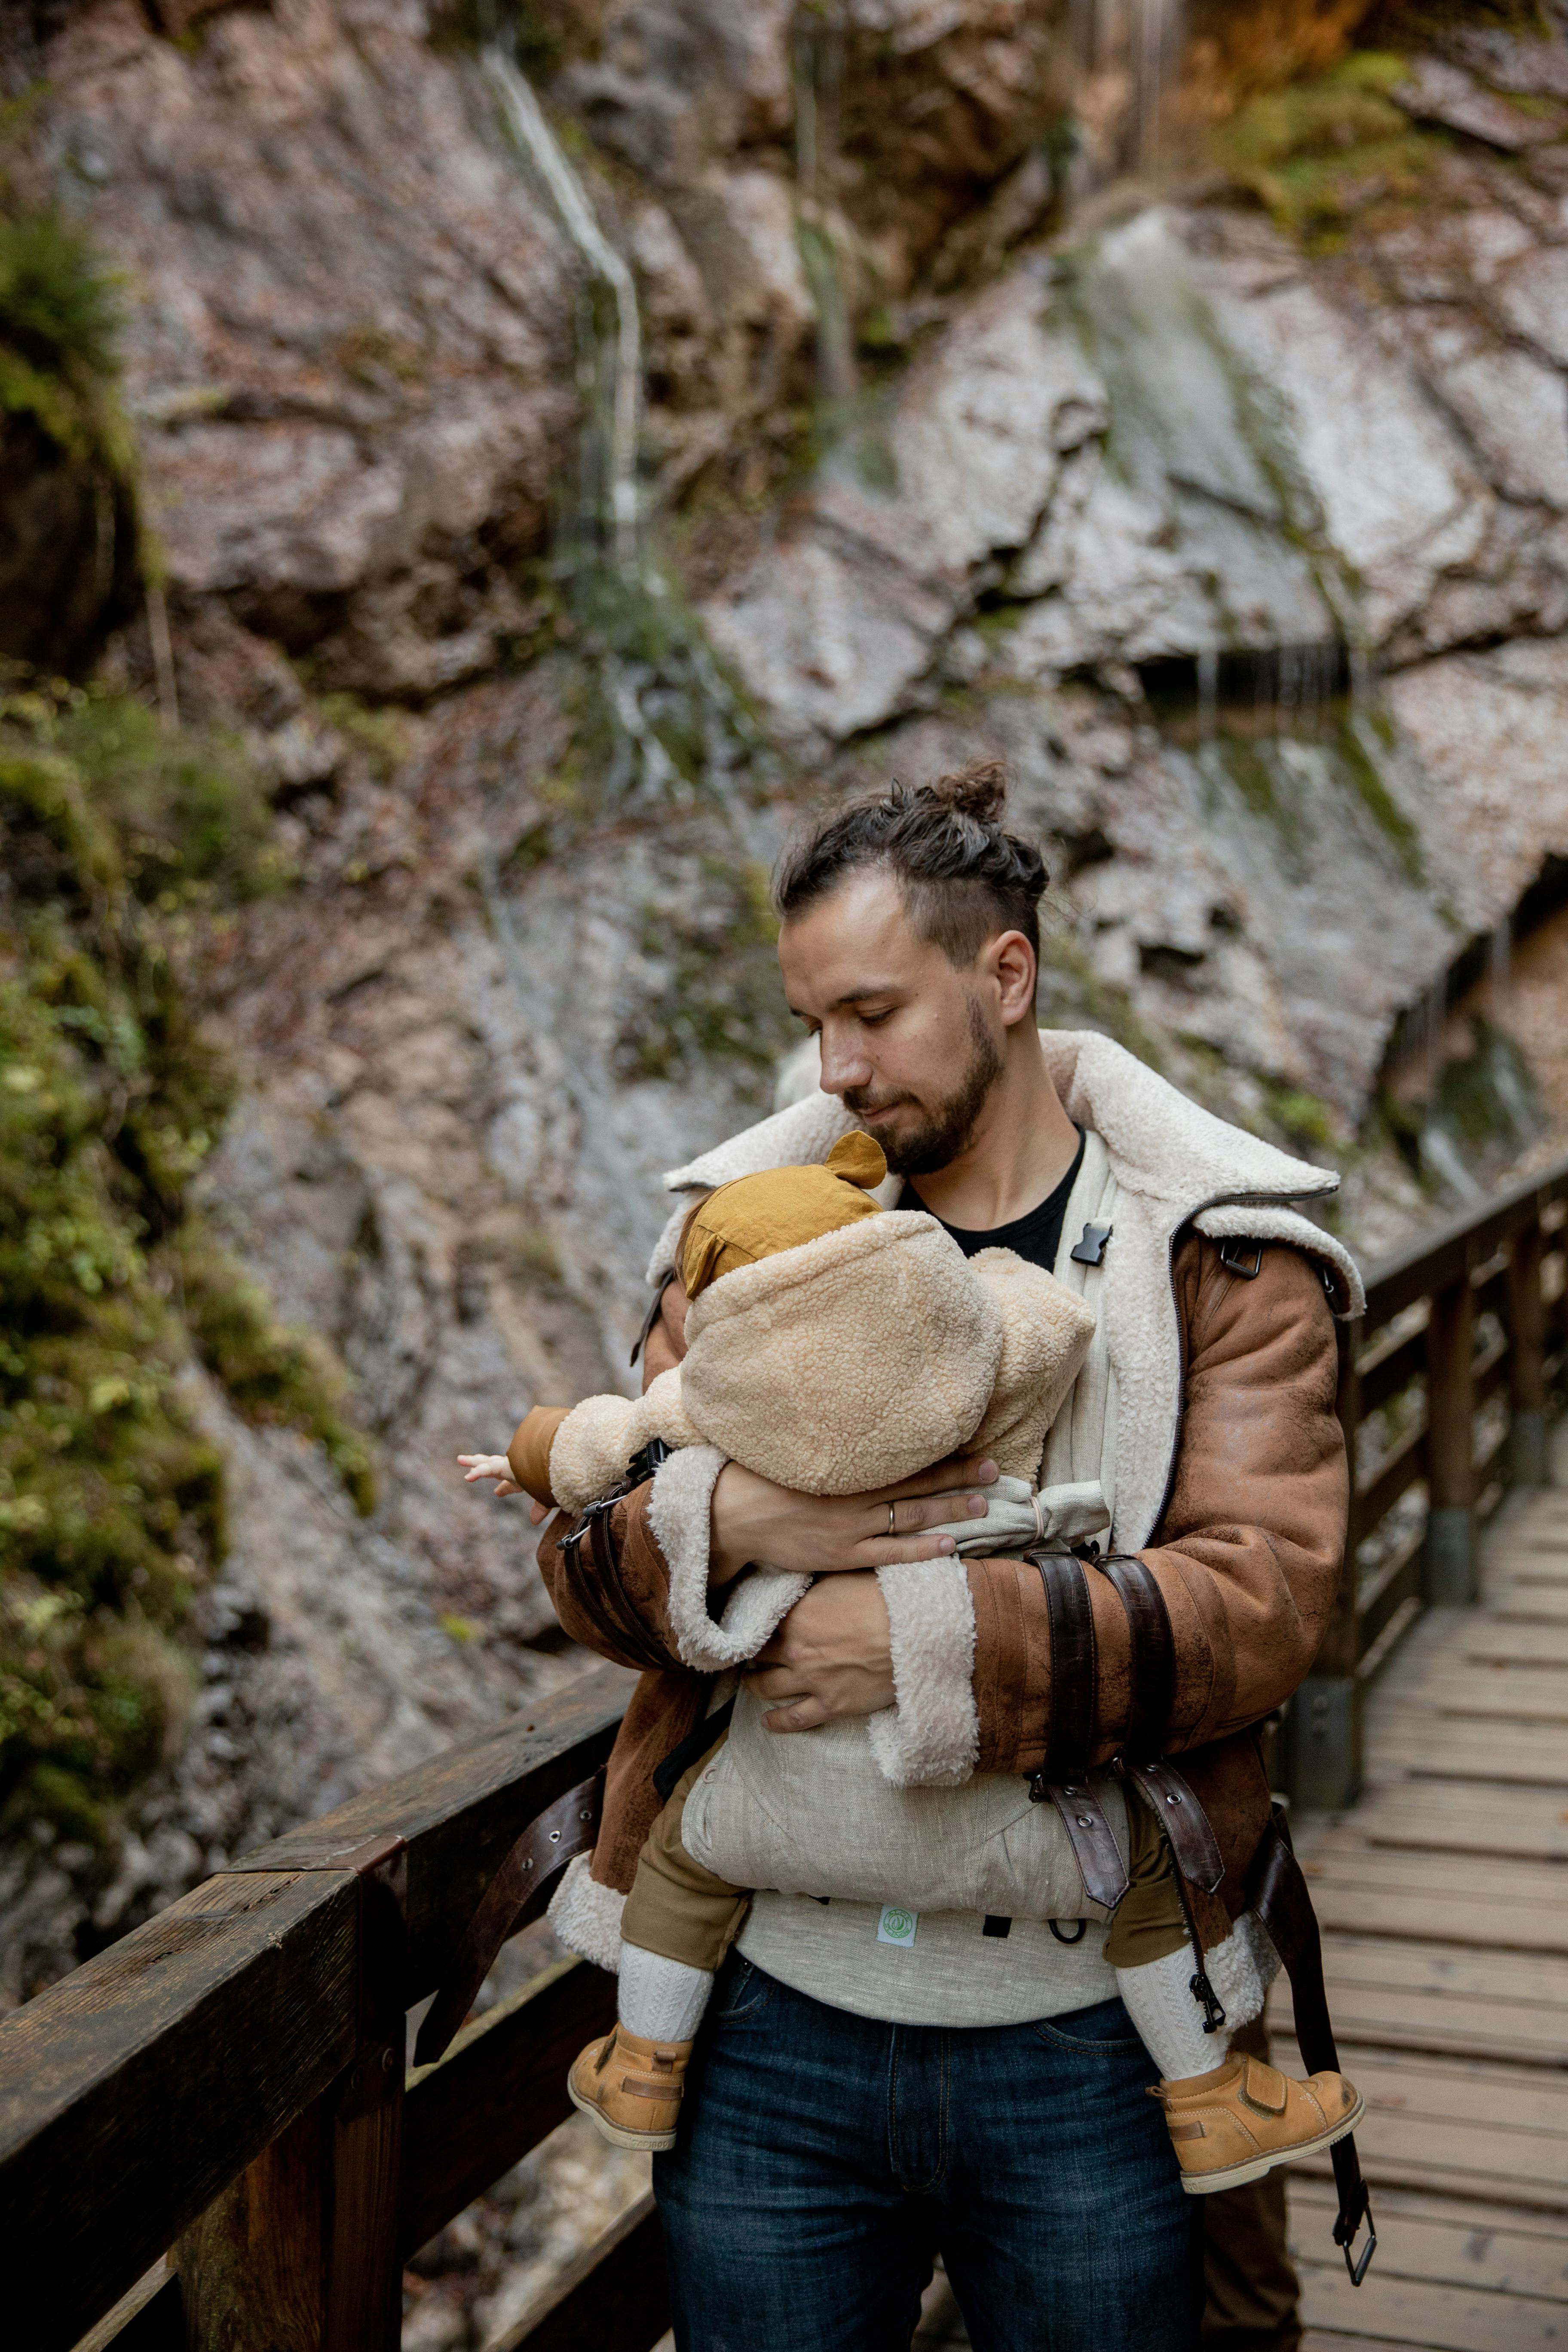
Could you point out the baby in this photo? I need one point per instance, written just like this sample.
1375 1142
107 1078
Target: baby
837 1347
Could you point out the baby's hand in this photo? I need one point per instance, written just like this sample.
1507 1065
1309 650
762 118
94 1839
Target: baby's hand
490 1465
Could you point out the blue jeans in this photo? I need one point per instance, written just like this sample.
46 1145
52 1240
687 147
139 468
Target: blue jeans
824 2158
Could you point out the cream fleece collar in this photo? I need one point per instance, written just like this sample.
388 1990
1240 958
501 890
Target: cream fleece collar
1170 1164
1162 1146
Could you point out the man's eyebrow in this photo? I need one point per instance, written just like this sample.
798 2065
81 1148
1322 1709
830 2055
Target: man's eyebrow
853 996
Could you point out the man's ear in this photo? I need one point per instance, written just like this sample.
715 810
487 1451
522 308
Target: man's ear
1012 960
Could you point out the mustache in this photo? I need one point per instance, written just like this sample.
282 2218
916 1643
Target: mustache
861 1099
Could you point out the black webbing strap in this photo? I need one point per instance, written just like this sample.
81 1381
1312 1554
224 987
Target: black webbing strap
691 1750
1280 1894
1153 1654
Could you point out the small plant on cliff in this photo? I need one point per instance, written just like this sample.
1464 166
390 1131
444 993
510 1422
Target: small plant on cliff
1331 148
59 316
111 1498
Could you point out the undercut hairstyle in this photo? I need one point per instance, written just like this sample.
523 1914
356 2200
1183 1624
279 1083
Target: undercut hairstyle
962 877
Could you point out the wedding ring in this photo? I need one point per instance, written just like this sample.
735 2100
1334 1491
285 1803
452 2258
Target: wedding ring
892 1528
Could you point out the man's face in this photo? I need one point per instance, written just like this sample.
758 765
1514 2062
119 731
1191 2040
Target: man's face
911 1043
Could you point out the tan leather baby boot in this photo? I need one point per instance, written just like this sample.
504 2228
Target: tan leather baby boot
630 2088
1239 2121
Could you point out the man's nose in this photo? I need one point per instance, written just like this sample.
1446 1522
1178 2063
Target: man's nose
844 1064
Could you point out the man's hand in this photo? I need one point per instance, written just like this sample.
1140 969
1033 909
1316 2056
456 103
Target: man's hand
830 1656
820 1535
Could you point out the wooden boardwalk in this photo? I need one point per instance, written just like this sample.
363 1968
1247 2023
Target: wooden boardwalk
1442 1895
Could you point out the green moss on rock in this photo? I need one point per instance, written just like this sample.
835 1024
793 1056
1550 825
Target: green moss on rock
114 836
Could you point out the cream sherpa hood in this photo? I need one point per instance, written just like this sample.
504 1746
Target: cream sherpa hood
849 1362
857 1359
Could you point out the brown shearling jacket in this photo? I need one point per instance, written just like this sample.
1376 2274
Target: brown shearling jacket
1248 1553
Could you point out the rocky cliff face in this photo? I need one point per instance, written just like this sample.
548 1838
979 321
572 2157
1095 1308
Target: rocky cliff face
1248 547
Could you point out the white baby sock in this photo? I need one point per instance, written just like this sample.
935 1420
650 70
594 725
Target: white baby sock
662 2001
1158 1999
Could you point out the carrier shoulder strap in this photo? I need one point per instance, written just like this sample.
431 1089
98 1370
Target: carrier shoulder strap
1282 1900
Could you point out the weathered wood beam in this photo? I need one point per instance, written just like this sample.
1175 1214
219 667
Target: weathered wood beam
457 1813
614 2298
1434 1261
1450 1467
149 2318
133 2090
495 2094
300 2253
1527 1331
138 2089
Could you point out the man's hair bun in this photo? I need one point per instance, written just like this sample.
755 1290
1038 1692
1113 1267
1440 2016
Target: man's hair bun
964 878
978 790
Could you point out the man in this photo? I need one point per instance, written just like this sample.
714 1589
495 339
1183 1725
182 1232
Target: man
1004 2119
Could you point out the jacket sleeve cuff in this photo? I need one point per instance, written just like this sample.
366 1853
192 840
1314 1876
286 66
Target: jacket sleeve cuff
677 1515
931 1737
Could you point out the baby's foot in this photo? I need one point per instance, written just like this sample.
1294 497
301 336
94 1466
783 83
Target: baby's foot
630 2088
1239 2121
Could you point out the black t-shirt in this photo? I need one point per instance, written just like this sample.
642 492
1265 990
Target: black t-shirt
1035 1237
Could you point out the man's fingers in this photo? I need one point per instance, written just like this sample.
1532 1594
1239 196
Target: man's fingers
776 1680
958 1470
902 1550
800 1714
913 1513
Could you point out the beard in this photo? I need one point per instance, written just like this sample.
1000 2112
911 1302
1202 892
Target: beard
946 1127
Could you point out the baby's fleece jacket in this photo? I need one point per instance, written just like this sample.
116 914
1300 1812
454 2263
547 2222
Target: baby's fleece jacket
840 1366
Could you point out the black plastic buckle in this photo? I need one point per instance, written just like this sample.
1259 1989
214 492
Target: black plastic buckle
1345 2229
641 1467
1090 1247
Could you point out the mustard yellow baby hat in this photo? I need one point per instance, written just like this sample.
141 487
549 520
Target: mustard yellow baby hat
758 1217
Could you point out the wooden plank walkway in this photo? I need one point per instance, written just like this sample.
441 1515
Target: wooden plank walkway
1444 1900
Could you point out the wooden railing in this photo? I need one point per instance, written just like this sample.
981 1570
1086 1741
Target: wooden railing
1444 1383
226 2086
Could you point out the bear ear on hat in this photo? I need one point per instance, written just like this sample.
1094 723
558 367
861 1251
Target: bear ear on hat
858 1158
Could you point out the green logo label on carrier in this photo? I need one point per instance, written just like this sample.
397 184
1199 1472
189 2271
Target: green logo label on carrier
897 1925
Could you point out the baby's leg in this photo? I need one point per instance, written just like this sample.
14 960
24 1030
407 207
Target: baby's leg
679 1921
1149 1948
1231 2120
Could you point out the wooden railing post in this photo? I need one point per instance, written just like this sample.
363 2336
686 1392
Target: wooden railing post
1527 1358
302 2253
1324 1743
1450 1563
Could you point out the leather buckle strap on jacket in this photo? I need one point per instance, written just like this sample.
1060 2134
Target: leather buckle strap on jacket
515 1895
595 1586
1153 1659
1063 1775
1142 1758
1279 1893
